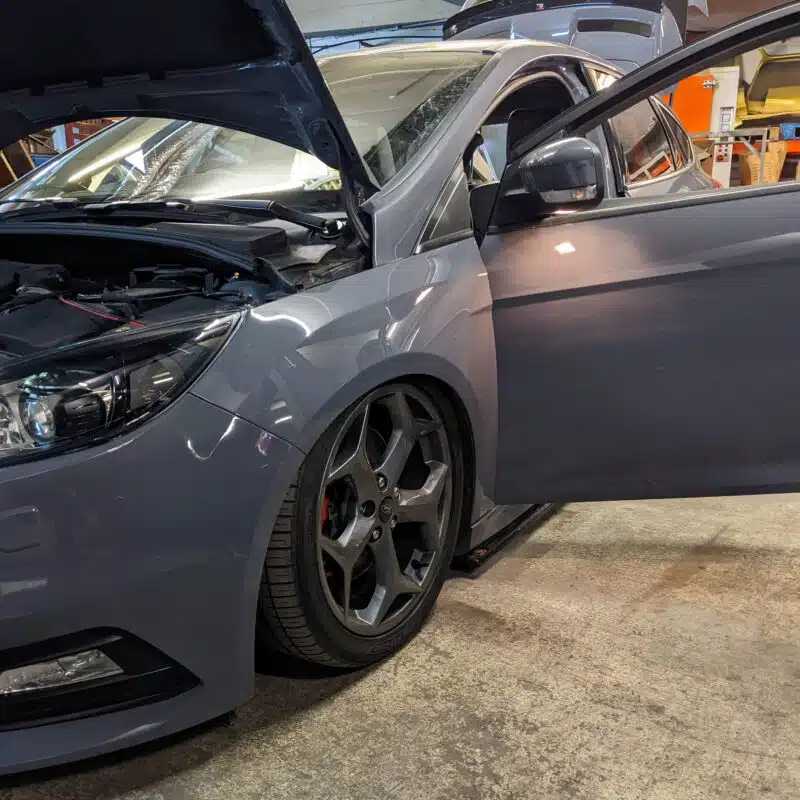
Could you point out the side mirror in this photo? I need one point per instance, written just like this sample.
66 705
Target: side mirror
568 172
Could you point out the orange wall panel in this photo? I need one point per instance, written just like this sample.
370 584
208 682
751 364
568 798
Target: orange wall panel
692 103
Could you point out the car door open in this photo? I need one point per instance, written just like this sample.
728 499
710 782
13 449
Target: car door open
646 347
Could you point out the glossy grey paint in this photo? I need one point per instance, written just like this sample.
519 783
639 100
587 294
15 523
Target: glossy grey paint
161 533
186 577
653 365
295 364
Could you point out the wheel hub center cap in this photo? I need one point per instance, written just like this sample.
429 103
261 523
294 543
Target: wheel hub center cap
386 509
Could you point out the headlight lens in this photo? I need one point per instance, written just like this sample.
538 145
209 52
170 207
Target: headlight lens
90 391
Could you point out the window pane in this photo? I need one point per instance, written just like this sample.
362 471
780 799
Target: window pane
451 215
645 146
685 151
152 159
392 103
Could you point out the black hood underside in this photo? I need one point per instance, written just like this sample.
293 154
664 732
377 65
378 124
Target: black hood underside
241 64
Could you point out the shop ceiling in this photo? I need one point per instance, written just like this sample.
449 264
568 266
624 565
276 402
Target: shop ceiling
725 12
319 17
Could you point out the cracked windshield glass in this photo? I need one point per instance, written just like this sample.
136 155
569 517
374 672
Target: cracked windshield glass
391 106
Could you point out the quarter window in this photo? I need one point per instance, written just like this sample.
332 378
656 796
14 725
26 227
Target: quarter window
685 154
451 217
644 143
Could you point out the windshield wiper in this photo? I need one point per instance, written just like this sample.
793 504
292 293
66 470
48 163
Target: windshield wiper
323 225
46 206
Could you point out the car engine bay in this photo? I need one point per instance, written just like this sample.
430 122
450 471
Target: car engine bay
60 288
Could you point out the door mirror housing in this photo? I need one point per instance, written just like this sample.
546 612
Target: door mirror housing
568 172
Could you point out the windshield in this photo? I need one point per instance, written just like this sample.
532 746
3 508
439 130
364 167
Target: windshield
391 103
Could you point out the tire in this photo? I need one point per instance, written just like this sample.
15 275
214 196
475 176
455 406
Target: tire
329 513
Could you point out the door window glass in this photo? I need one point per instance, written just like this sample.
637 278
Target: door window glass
644 143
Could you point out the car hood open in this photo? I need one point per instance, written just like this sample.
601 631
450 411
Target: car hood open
241 64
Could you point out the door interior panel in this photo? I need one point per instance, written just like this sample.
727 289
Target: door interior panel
649 355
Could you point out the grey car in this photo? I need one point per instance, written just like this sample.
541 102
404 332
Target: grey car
278 345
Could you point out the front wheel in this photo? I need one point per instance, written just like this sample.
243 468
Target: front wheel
362 543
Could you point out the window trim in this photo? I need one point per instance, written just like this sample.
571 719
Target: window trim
442 241
673 141
666 110
625 206
589 66
650 204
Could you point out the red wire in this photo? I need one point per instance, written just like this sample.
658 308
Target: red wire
100 314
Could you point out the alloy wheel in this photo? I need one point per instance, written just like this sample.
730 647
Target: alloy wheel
384 509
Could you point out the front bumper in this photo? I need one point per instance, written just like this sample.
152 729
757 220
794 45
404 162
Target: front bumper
160 534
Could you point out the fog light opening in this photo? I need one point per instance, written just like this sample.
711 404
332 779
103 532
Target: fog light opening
85 674
90 665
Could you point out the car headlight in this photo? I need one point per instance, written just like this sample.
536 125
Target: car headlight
85 392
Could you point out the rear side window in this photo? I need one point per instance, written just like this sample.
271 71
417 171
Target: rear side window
646 151
685 153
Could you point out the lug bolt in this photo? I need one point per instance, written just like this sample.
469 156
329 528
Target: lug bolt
382 483
393 523
375 535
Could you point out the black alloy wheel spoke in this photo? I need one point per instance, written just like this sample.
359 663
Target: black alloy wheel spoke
388 473
407 431
422 505
391 583
356 466
347 548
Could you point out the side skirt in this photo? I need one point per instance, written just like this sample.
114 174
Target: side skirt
475 562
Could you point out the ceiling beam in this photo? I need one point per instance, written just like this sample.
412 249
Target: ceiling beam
317 17
726 12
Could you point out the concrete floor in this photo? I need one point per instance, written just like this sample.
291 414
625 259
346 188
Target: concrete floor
629 650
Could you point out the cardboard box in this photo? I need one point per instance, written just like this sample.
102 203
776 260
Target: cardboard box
774 160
